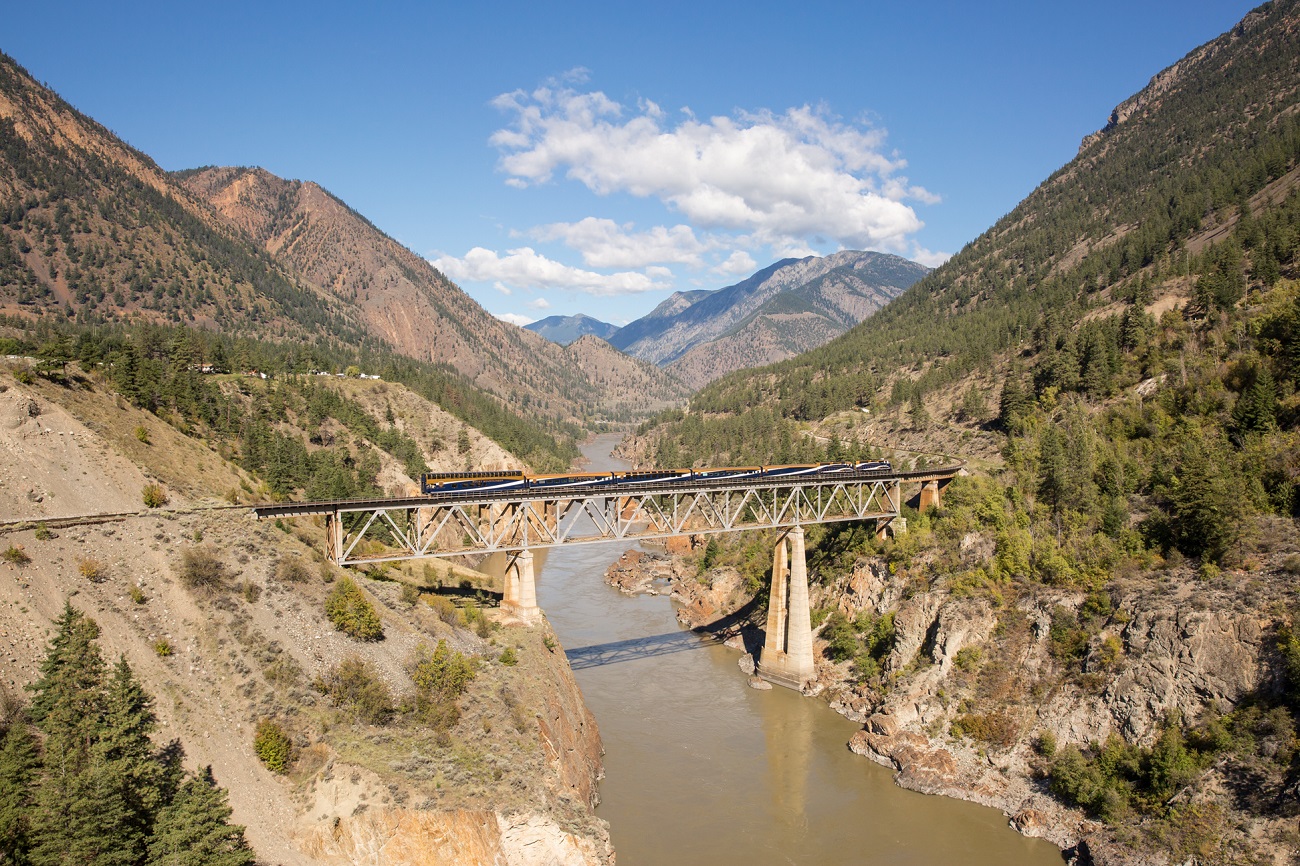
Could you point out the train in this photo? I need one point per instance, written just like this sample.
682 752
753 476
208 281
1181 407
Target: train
433 483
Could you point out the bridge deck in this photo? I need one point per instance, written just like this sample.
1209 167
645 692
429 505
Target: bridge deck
335 506
448 524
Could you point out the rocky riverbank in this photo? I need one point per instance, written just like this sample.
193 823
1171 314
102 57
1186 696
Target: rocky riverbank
973 686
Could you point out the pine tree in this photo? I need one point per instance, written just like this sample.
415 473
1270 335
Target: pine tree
194 830
19 763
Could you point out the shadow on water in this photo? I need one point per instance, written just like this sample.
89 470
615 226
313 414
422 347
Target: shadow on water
596 655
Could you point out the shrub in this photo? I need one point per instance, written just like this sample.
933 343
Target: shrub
967 658
410 594
15 555
351 612
43 532
252 592
996 729
352 684
137 593
442 671
163 647
291 569
446 610
509 657
1045 744
272 746
154 496
441 675
142 433
201 568
92 570
25 376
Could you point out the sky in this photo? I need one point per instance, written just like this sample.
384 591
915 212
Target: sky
555 159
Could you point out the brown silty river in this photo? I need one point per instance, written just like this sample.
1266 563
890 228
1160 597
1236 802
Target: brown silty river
702 769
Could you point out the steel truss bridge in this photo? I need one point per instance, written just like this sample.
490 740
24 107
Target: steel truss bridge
367 531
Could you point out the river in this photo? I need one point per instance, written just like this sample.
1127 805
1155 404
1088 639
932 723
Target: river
702 769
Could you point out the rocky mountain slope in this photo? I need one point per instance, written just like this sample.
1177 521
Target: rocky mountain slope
973 695
512 778
1097 630
787 308
94 230
400 296
565 329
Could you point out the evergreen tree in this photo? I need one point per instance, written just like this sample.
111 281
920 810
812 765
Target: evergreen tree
194 829
1256 409
19 763
1014 402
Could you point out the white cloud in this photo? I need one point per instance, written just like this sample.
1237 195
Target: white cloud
525 268
606 244
738 264
928 258
801 174
540 304
515 319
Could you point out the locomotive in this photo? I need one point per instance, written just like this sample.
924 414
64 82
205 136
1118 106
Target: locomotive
432 483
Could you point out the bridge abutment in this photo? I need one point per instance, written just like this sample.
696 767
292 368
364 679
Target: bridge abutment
520 598
787 657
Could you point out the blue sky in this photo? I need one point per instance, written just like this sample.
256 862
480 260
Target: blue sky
594 157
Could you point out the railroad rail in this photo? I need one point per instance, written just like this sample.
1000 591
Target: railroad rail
460 522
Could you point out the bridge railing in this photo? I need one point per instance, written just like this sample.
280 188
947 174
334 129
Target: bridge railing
371 531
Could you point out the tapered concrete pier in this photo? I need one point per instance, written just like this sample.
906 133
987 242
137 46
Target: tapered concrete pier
787 658
520 598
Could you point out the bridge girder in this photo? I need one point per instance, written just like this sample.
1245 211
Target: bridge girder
362 533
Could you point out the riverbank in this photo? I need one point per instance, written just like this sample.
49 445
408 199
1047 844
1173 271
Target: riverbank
963 663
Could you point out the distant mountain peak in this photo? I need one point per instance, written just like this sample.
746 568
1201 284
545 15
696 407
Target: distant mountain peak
565 329
786 308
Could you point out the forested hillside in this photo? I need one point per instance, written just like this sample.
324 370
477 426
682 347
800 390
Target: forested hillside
1121 350
95 239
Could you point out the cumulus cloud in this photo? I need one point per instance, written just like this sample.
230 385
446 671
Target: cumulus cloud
604 243
515 319
782 177
739 263
525 268
540 304
929 258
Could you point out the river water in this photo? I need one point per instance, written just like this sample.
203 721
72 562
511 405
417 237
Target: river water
702 769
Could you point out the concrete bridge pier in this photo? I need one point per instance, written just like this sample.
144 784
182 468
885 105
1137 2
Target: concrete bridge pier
787 657
520 598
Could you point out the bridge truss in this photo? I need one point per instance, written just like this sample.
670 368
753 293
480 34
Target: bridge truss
372 531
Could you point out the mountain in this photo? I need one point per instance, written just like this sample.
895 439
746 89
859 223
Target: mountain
644 387
787 308
94 232
398 295
565 329
1104 609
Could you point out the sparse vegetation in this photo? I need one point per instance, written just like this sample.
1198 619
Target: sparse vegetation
353 685
14 554
201 568
92 570
272 746
351 612
162 647
291 569
154 496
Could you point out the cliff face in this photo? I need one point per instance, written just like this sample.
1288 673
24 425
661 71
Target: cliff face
993 664
512 780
